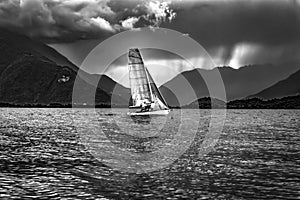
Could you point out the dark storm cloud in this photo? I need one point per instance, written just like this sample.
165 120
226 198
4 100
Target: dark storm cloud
227 29
229 22
71 20
226 24
212 23
56 20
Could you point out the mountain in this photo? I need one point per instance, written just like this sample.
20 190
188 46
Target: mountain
37 80
238 83
34 73
286 87
13 45
206 103
33 79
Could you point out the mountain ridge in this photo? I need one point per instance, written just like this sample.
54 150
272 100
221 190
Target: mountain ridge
14 42
26 76
238 83
30 76
285 87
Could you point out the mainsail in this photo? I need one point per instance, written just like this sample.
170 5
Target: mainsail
140 88
142 84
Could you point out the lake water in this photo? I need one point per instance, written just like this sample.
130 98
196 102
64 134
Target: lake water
103 154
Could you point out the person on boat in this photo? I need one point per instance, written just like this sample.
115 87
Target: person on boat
146 105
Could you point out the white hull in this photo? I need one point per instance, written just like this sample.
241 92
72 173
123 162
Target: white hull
155 112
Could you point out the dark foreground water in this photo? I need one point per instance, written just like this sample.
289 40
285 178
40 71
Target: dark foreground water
52 154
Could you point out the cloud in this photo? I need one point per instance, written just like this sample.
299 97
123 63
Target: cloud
224 28
70 20
230 22
129 22
103 24
160 11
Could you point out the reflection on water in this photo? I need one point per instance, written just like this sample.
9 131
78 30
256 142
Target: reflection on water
141 119
42 157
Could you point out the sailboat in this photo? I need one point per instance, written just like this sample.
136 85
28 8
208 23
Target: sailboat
146 97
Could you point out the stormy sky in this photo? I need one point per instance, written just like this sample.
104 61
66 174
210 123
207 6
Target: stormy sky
234 32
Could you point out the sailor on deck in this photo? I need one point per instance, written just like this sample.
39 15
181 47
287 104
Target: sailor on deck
146 105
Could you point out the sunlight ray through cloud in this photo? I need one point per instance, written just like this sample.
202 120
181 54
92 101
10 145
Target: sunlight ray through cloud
241 52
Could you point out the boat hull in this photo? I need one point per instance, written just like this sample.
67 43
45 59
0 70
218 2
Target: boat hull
148 113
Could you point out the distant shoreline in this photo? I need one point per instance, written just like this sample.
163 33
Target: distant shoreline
54 105
292 102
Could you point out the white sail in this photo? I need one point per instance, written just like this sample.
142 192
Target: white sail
143 87
139 84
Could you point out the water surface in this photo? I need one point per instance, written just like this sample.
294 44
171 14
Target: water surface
43 155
